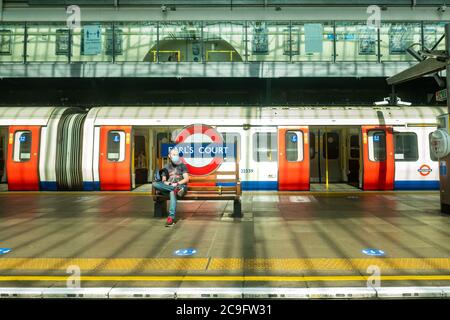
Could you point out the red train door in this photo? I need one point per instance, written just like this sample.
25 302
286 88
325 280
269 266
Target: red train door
23 158
115 158
378 158
293 158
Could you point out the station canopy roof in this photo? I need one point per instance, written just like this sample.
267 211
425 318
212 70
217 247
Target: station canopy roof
210 3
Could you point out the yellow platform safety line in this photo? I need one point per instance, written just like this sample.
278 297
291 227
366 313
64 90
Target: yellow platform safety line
227 278
224 264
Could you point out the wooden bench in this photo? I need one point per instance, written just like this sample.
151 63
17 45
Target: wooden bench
207 188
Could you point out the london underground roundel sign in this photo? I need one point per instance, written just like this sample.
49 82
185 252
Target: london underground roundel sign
425 170
204 143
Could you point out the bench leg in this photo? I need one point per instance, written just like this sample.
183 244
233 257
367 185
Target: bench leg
160 208
237 210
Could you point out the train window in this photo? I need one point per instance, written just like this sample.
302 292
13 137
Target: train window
377 145
432 155
331 149
22 146
294 146
265 147
231 138
116 146
406 148
312 145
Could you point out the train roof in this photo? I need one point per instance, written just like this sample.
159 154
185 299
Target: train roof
228 115
38 116
233 116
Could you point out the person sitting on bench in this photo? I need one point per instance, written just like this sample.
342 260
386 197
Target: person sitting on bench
175 184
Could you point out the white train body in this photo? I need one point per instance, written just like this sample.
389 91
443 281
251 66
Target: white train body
373 148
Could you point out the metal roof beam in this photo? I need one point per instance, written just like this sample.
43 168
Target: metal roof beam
426 67
227 3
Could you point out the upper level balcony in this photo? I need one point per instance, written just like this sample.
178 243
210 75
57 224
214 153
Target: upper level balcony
213 48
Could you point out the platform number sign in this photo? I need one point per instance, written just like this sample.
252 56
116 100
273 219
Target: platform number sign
373 252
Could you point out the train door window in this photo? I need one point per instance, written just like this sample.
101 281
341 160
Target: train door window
406 148
294 146
312 145
377 145
354 146
332 145
22 146
265 147
432 155
116 146
233 138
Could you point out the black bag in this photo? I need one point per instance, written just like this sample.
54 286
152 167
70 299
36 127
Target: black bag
159 174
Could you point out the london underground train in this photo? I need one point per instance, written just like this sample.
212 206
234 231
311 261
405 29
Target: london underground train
280 148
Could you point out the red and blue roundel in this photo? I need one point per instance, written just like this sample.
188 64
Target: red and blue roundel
200 134
425 170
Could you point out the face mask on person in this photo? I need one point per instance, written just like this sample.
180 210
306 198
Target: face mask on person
175 159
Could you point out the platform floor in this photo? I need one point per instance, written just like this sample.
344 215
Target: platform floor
283 240
315 187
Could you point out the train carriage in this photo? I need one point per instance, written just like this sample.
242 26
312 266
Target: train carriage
286 149
41 149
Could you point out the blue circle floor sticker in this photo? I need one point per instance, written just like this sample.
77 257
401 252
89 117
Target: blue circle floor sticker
4 250
185 252
373 252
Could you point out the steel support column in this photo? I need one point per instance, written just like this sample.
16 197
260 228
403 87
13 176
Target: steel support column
445 177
